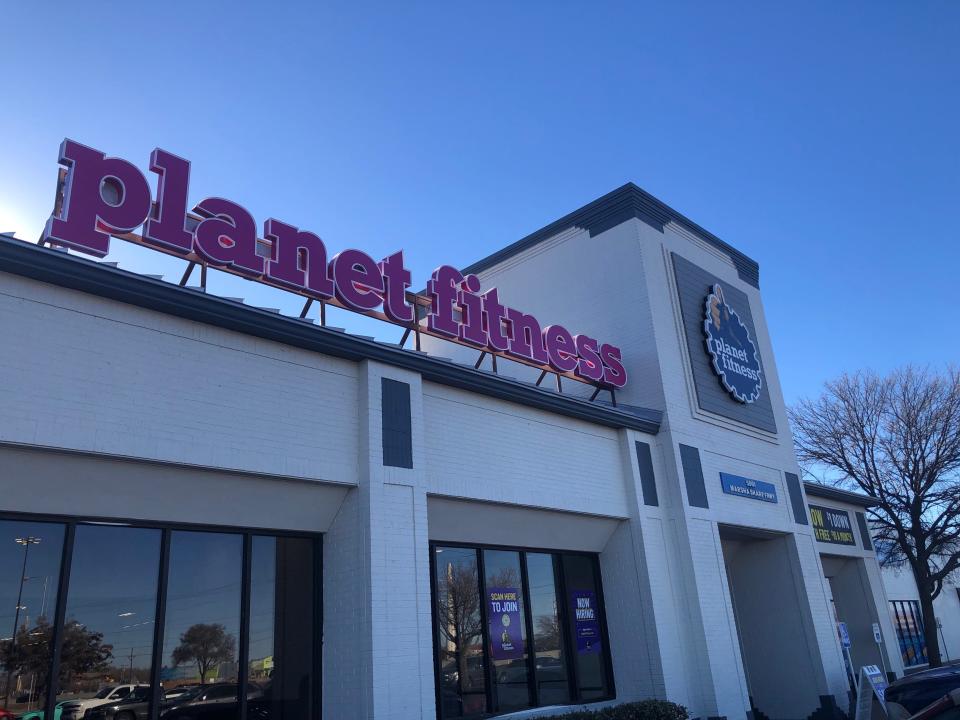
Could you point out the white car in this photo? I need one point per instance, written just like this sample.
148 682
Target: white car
74 709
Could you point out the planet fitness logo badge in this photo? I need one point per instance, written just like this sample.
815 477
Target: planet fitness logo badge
734 355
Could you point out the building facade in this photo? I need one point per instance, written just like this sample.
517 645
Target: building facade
196 490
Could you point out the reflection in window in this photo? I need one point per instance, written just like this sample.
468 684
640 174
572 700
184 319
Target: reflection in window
550 665
908 622
111 602
583 612
202 624
459 634
281 655
503 596
486 661
30 554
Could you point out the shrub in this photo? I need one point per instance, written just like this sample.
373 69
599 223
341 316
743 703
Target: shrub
643 710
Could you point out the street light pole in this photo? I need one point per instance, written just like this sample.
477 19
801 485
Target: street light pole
26 542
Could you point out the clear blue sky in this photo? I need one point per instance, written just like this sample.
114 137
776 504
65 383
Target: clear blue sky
822 139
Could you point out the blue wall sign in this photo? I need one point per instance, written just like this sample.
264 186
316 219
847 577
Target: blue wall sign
735 359
745 487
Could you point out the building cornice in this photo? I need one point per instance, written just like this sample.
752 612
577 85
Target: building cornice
831 493
64 270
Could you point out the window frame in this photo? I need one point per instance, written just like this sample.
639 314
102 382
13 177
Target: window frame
909 611
563 617
70 524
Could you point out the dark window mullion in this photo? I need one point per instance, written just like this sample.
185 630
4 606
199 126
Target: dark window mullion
533 691
53 680
912 629
317 628
244 650
435 623
568 644
159 620
602 618
909 631
485 630
899 627
918 624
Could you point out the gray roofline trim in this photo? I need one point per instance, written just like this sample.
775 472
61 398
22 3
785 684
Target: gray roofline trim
58 268
614 208
832 493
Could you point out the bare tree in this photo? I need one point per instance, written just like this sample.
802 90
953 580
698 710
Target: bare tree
458 607
897 439
206 645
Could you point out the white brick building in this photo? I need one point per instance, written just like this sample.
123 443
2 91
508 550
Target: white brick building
132 405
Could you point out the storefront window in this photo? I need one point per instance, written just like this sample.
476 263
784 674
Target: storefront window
114 647
507 636
282 628
550 660
508 622
459 633
202 624
111 602
30 556
909 625
583 613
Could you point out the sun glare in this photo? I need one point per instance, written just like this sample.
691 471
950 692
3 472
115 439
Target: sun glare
16 221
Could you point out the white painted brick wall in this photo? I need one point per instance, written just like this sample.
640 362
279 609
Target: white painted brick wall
89 374
618 285
488 449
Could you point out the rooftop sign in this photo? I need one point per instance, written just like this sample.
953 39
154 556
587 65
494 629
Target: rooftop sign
108 196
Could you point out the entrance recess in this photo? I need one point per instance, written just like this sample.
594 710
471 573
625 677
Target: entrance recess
772 616
853 605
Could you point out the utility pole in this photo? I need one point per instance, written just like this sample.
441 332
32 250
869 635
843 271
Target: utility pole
26 542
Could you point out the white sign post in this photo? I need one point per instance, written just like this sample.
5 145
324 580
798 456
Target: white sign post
878 639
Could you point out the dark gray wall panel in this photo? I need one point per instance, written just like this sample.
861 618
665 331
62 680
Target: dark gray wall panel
693 285
864 532
796 498
648 482
693 476
397 425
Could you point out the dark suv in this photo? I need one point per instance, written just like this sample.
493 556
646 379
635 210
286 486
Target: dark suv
135 706
908 695
215 702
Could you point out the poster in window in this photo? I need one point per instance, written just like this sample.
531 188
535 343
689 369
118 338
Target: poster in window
586 621
505 622
831 526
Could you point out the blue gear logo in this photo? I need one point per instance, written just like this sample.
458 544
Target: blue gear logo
735 359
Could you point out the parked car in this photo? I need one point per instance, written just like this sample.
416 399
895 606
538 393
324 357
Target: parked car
217 702
135 706
182 695
181 690
38 714
74 709
911 694
946 708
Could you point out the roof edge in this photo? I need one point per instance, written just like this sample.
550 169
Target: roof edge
832 493
25 259
626 202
